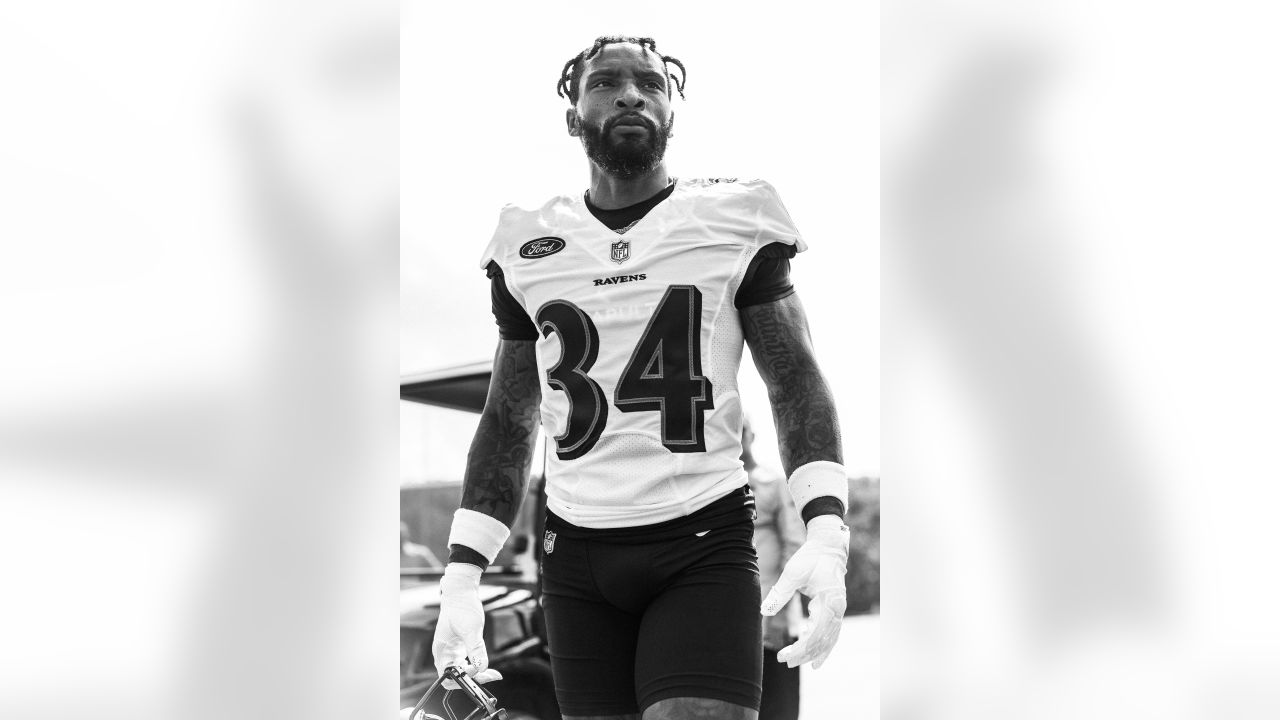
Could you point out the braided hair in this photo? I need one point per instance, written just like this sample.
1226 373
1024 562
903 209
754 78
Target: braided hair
572 72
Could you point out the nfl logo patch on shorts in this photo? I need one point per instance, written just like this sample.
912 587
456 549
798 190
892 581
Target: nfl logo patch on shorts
549 542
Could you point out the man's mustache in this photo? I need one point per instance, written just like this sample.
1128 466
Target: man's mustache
612 122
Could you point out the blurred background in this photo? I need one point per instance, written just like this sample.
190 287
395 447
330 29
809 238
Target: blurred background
1079 243
198 425
199 210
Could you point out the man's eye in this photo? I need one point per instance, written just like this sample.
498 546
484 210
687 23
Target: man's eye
602 83
653 85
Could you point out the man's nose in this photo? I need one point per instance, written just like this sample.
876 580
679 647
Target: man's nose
630 98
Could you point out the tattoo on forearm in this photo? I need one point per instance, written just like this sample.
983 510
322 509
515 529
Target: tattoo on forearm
804 411
502 450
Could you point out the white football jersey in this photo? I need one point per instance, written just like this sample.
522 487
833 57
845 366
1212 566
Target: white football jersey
640 345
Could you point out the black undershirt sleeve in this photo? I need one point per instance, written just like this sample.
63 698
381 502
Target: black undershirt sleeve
513 322
768 277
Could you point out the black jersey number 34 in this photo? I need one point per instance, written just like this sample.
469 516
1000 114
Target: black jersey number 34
664 374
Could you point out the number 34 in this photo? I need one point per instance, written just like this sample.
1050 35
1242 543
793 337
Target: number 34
664 374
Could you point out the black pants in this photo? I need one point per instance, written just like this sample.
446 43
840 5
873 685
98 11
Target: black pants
639 615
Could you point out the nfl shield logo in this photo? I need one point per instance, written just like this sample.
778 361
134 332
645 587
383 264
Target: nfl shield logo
620 251
549 542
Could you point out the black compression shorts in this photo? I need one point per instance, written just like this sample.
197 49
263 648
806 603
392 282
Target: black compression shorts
638 615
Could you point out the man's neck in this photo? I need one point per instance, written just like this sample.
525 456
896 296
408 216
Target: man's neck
611 193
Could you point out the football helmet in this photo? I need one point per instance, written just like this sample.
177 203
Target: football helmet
469 701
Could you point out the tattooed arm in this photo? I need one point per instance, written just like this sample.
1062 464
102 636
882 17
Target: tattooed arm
502 451
804 412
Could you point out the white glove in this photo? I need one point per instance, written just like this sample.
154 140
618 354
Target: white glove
817 570
459 639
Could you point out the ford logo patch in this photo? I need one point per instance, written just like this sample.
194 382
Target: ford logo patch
541 247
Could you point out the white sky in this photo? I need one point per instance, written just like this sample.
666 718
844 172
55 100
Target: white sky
775 91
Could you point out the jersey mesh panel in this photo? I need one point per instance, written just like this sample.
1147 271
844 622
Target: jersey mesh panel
630 455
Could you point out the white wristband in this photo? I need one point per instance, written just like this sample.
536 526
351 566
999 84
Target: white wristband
819 478
483 533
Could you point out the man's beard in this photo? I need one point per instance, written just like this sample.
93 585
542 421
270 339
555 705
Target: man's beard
627 158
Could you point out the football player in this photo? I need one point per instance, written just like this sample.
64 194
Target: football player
622 314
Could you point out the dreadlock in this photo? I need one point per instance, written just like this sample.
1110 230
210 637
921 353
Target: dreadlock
572 72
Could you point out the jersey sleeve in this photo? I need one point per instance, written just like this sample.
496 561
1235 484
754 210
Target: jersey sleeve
770 217
513 321
768 277
499 243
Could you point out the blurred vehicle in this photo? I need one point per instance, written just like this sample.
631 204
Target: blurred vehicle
514 633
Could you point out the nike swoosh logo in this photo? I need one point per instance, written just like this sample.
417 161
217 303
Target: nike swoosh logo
704 532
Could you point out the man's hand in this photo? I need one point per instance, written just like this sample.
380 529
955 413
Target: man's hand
459 639
817 570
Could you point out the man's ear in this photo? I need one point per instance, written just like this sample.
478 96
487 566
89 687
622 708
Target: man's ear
573 121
